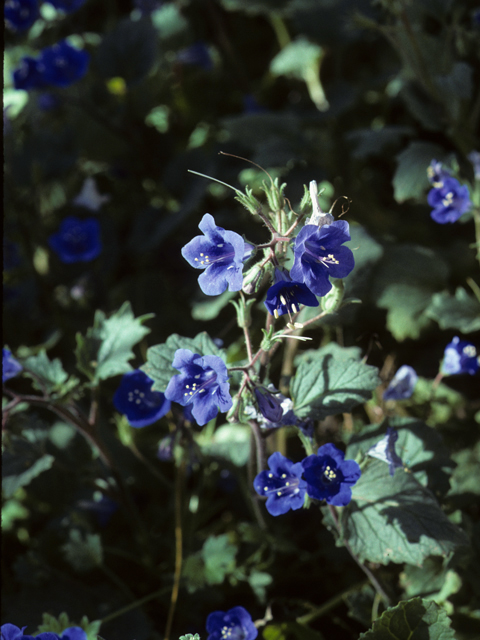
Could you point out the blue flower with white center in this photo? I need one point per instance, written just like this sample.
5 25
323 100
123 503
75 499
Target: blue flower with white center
286 296
29 75
20 14
402 384
202 382
437 173
221 253
329 476
136 400
77 240
319 254
67 6
61 64
385 451
449 201
235 624
282 484
460 357
10 367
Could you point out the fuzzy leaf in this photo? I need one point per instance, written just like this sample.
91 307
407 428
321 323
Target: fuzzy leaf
83 552
460 312
410 179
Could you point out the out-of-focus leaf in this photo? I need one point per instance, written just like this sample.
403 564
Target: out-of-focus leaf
466 476
210 308
410 179
433 581
259 581
83 552
218 554
440 401
286 630
22 464
160 357
372 142
230 441
326 385
415 618
461 312
395 519
295 59
106 349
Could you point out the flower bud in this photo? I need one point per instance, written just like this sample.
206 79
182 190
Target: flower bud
249 201
253 279
270 406
274 194
332 301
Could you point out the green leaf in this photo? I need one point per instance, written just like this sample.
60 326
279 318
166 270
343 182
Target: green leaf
106 349
466 476
83 553
433 581
189 636
461 312
58 625
289 630
295 59
160 357
218 554
23 461
441 402
410 179
209 309
48 375
395 519
420 447
325 384
414 619
230 441
259 581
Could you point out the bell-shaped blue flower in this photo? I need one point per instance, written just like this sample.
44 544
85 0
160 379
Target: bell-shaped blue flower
449 201
20 14
61 64
67 6
385 451
221 253
77 240
282 484
136 400
329 476
10 367
460 356
202 382
319 254
402 384
270 405
235 624
286 296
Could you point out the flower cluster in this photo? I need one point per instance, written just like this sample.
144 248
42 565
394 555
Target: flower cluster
136 400
327 476
235 624
59 66
77 240
460 356
449 199
12 632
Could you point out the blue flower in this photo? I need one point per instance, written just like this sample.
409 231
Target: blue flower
402 384
287 419
20 14
286 296
437 173
28 75
136 400
77 240
61 64
68 6
283 485
385 451
449 201
12 632
270 406
221 253
202 382
460 357
235 624
319 254
10 367
329 477
196 54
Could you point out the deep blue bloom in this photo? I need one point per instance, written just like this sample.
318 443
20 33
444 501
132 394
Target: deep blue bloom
402 384
282 484
235 624
449 202
286 296
10 367
136 400
29 75
12 632
61 64
196 54
202 382
270 405
77 240
221 253
319 254
20 14
437 173
385 451
329 476
460 357
68 6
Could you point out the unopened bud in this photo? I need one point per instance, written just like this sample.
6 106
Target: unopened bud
332 301
248 200
269 405
274 194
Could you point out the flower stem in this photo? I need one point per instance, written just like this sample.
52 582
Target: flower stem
318 612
